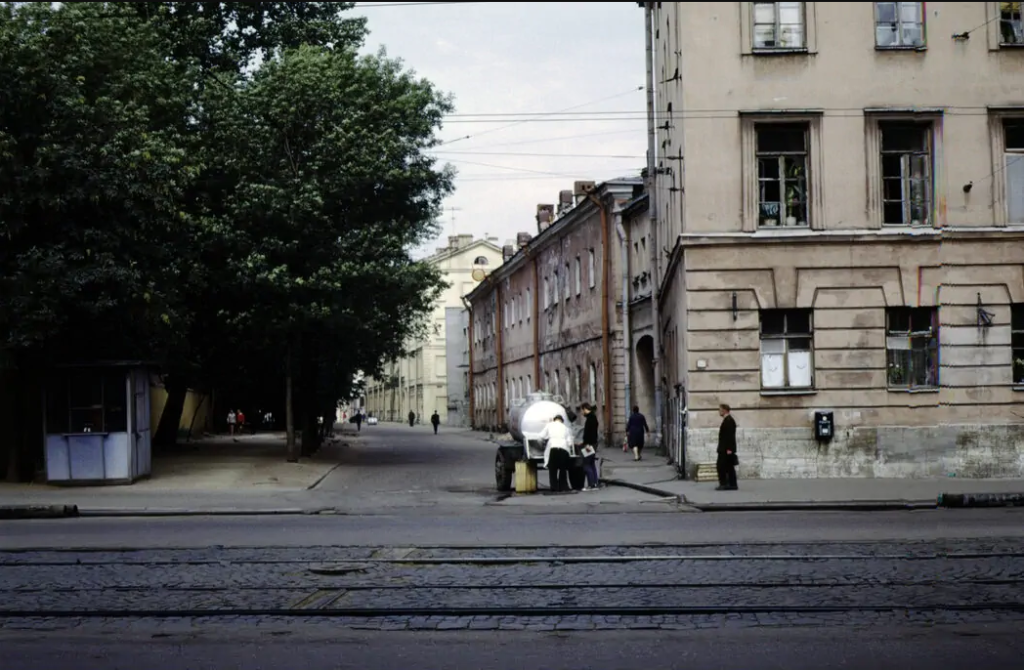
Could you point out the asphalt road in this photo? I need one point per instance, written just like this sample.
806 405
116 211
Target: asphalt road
964 648
511 526
428 569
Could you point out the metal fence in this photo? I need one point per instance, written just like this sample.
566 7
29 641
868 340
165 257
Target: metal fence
675 433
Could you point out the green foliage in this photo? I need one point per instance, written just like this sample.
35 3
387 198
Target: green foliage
91 178
160 197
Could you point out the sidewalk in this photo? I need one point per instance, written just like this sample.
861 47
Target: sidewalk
216 475
652 475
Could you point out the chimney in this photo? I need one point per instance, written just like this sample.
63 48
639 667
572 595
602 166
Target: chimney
545 214
523 239
581 188
465 240
564 201
453 242
507 252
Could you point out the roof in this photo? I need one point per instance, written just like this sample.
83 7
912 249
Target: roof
449 252
636 205
568 219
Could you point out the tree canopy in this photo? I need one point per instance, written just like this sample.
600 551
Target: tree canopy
226 188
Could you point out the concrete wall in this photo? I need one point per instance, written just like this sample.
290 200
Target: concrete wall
847 264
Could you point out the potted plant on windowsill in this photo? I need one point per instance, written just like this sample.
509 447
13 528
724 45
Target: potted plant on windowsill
769 214
795 194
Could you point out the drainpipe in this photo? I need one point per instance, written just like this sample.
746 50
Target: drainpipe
470 390
627 338
605 324
535 308
499 346
652 204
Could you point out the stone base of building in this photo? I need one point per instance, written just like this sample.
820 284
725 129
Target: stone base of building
962 450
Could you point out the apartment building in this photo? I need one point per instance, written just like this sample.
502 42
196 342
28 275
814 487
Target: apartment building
840 198
549 318
419 381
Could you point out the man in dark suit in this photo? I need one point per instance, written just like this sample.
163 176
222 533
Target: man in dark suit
727 458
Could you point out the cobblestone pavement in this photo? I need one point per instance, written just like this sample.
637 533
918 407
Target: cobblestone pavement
494 588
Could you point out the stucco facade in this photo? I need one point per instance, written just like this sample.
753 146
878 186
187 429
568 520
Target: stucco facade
852 233
549 318
419 382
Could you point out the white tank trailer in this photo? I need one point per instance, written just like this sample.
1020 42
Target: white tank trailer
526 422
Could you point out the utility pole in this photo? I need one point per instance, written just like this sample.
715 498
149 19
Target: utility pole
652 210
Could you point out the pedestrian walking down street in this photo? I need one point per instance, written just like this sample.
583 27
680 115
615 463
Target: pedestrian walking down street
589 450
636 429
240 418
557 454
358 420
435 421
412 418
232 420
727 457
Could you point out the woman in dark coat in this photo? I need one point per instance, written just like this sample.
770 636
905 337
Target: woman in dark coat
636 429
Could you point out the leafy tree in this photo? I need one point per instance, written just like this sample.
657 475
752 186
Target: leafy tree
327 189
91 179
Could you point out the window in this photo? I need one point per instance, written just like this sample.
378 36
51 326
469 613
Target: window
579 381
547 302
1011 28
592 269
593 383
505 315
88 403
1013 147
529 305
779 25
577 275
480 260
557 385
782 174
568 384
1017 342
906 173
786 352
568 283
554 290
529 384
899 24
912 347
547 382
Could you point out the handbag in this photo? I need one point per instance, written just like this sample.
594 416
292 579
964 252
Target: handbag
588 450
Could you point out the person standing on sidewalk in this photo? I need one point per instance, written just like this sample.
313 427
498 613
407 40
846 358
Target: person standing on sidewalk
435 421
557 454
240 419
232 420
727 458
636 429
412 418
590 446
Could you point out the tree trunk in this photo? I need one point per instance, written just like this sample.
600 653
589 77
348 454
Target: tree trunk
289 411
310 429
195 414
170 420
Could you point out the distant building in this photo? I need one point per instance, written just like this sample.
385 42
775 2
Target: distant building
550 317
457 358
419 382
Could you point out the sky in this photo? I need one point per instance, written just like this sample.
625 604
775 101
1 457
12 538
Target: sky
546 93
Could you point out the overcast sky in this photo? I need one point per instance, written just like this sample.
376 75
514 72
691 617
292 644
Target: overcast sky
510 66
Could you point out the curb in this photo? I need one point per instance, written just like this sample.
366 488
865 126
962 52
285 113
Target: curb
650 490
11 512
100 513
824 506
970 500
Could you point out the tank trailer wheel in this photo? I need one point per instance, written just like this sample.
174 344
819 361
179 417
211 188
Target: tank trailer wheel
503 472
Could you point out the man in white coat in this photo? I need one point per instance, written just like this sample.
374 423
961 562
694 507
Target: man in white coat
557 453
